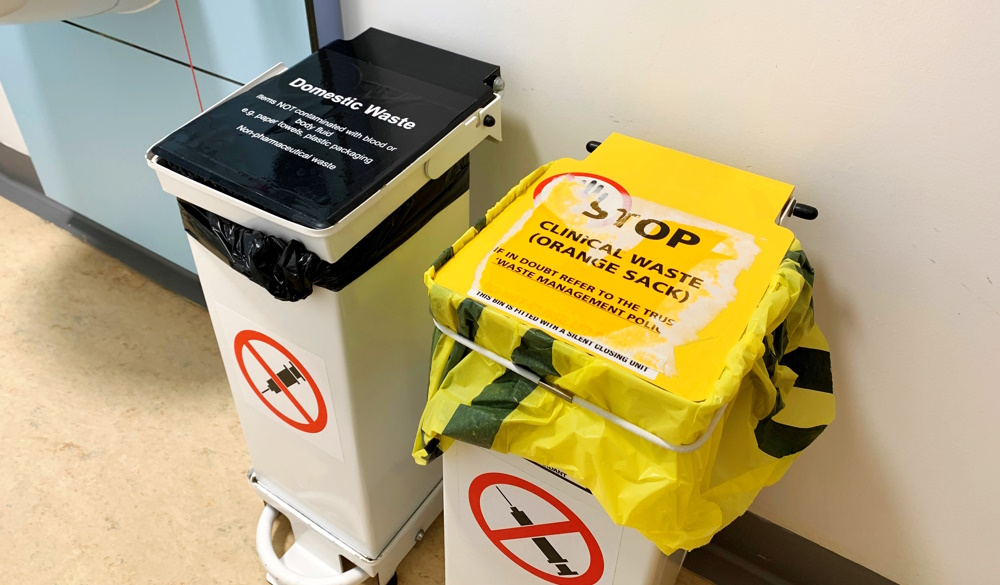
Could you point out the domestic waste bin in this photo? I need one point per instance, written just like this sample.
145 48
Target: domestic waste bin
313 198
625 355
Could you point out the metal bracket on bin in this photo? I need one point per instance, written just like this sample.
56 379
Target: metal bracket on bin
484 123
570 397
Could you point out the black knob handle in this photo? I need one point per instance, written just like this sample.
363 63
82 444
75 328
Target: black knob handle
489 121
592 145
803 211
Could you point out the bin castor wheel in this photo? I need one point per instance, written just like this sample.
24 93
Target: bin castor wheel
394 580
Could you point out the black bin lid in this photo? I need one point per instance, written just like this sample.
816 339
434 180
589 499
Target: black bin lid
314 143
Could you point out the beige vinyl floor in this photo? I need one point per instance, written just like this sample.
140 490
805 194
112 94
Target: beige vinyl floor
121 457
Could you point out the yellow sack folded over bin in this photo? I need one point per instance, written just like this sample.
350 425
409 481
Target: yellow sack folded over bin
651 334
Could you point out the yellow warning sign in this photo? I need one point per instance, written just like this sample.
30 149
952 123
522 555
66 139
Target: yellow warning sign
649 257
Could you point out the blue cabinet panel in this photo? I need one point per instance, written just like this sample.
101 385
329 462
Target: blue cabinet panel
89 108
238 39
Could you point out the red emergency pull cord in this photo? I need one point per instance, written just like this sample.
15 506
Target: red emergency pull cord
188 49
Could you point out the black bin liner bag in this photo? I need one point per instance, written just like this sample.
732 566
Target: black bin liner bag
288 271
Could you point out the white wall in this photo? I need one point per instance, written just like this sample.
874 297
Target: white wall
886 116
10 135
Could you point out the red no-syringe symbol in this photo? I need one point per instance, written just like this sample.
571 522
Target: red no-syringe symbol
290 374
538 533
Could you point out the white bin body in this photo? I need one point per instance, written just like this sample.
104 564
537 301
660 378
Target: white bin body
363 351
511 522
329 389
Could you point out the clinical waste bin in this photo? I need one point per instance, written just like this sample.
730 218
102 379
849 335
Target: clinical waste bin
510 521
313 198
626 354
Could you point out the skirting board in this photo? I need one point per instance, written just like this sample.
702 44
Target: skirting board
157 268
18 168
754 551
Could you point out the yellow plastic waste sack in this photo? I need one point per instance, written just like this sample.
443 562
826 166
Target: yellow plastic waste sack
727 435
